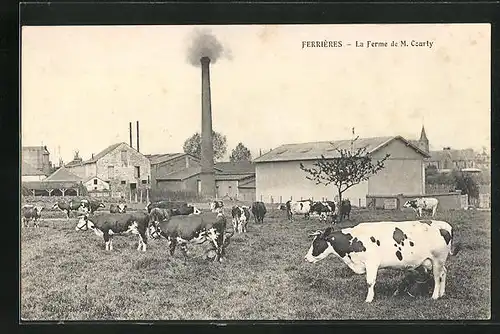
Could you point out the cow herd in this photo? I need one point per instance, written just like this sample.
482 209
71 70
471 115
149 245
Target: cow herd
364 248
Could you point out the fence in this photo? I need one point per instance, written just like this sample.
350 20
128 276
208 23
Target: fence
270 199
447 201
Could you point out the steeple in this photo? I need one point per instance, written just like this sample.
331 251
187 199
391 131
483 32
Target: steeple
423 141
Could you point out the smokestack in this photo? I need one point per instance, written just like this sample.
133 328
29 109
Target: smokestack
130 132
207 175
137 136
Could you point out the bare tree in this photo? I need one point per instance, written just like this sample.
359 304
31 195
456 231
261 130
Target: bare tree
350 168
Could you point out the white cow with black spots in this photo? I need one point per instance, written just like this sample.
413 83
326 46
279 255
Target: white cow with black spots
418 205
367 247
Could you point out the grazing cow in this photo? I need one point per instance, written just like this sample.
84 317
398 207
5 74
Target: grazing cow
217 206
298 207
323 209
241 217
72 205
31 212
259 211
418 205
367 247
194 229
109 224
345 209
178 208
92 206
118 208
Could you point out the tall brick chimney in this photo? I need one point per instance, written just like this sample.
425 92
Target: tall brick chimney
130 132
137 133
207 175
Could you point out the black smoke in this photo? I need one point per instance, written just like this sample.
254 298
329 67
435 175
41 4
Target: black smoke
205 44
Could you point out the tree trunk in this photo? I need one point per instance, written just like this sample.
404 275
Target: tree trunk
339 204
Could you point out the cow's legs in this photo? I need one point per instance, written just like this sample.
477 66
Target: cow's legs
184 251
172 244
142 242
235 225
434 211
437 270
371 277
443 282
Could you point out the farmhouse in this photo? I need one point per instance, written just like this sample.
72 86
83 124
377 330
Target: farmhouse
181 171
37 157
279 177
126 170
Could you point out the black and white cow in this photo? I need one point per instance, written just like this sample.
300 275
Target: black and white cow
178 208
118 208
241 217
109 224
217 206
92 206
298 207
345 209
195 229
418 205
31 212
259 211
367 247
323 209
72 205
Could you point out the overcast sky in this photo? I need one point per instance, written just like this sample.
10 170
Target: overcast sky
82 85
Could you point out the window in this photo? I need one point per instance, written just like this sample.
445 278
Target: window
111 172
137 171
95 188
124 182
95 181
144 181
124 158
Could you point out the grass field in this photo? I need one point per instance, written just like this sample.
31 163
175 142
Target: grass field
67 275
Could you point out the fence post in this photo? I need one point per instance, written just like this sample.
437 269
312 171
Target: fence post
272 201
291 198
301 198
359 201
281 200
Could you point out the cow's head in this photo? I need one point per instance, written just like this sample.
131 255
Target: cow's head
38 208
196 211
410 204
321 246
84 224
122 208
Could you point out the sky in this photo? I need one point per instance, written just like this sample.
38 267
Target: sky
82 85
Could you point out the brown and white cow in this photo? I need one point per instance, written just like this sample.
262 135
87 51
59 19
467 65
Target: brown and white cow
109 224
367 247
194 229
118 208
178 208
31 213
71 205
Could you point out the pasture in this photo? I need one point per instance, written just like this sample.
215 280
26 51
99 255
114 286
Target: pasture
67 275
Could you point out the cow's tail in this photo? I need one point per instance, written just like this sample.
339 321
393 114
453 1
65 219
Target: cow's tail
455 246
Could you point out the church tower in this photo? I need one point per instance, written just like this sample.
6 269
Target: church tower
423 141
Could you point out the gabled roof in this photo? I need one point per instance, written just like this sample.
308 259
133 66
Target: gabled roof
453 155
232 177
242 167
247 184
29 170
104 152
161 158
314 150
92 177
62 175
180 175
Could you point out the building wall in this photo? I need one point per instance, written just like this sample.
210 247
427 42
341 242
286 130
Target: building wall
124 171
28 178
246 194
187 185
36 157
226 188
84 171
173 165
96 184
404 171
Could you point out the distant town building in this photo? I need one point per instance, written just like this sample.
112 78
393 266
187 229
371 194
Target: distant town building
30 173
37 157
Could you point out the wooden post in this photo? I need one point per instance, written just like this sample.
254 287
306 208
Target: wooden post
62 191
77 192
272 200
281 199
359 200
147 195
130 196
33 191
141 195
135 196
50 191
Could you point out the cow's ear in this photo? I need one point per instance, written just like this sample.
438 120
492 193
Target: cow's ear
327 232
